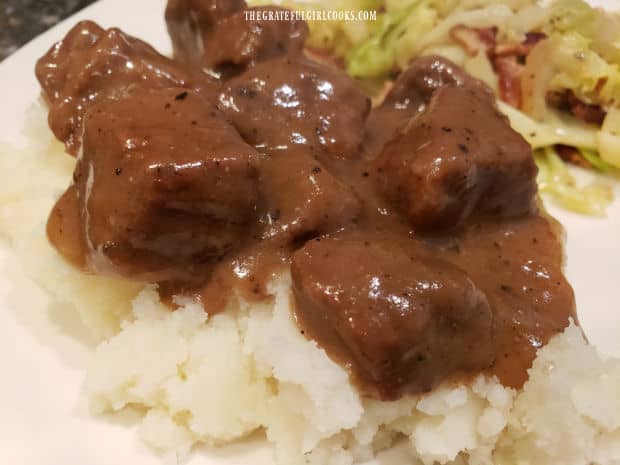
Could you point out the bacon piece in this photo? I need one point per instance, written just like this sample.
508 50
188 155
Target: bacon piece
572 155
508 61
592 114
567 101
507 58
532 38
521 49
509 71
474 40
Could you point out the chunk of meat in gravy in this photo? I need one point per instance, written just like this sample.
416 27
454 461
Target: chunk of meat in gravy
91 63
402 322
299 199
190 22
410 95
242 40
518 265
457 159
284 102
164 186
56 66
303 199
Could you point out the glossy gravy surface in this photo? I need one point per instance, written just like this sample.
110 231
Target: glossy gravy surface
418 253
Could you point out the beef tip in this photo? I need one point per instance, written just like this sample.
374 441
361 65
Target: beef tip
283 103
190 22
57 65
165 185
518 265
224 37
91 63
410 95
242 40
402 323
303 199
425 75
457 159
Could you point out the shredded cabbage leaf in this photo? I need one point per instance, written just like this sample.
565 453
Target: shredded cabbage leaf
579 68
379 54
608 139
555 179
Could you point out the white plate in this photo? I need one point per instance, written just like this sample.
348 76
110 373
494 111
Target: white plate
43 416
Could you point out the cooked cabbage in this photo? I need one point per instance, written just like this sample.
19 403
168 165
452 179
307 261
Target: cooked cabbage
608 139
581 69
558 128
391 43
555 179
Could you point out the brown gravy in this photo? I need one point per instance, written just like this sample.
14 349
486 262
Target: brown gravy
417 250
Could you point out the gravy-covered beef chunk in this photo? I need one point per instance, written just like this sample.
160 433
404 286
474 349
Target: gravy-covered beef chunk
164 185
284 102
244 39
190 22
457 159
402 321
410 95
416 85
304 199
57 65
91 63
518 265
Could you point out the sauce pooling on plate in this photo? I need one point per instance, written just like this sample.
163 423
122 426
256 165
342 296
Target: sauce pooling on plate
417 250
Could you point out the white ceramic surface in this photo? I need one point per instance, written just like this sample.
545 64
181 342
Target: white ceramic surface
43 416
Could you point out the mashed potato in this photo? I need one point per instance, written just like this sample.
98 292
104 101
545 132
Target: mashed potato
210 380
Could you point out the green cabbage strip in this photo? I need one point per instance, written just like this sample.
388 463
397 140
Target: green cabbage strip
555 179
376 56
598 163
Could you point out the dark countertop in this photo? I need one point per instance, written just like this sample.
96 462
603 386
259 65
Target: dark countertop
22 20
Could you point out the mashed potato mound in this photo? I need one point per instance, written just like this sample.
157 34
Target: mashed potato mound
214 379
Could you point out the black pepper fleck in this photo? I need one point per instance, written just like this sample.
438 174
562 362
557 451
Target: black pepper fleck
246 92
